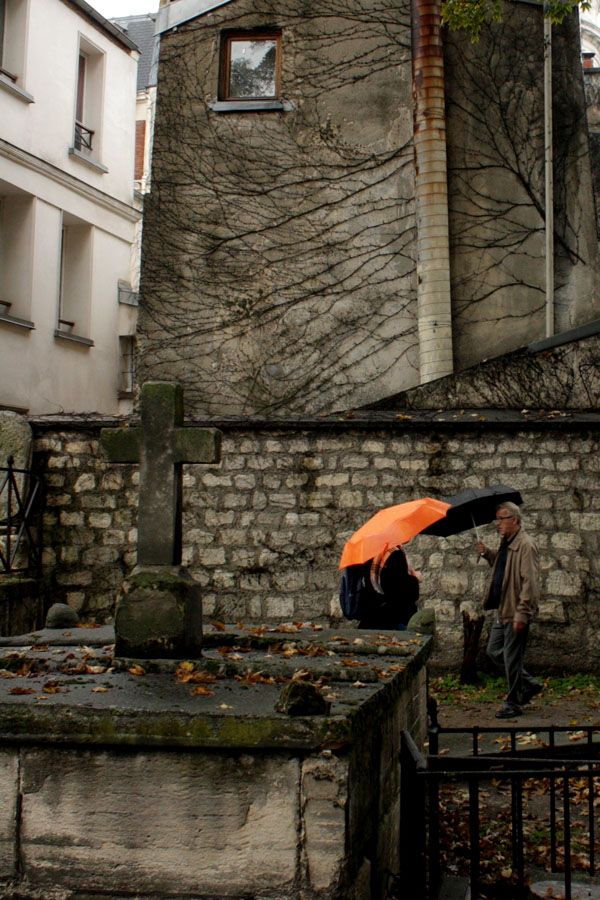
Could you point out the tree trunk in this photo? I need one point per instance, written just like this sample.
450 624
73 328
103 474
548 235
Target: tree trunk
472 632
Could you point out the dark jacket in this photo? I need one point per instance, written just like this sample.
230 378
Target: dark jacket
399 599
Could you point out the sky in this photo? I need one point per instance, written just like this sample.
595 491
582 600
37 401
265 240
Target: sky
111 9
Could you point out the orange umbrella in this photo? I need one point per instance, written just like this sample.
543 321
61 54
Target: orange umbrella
391 526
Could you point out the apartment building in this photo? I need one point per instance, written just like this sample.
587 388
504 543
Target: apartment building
68 212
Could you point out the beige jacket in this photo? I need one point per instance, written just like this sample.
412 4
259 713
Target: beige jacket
521 584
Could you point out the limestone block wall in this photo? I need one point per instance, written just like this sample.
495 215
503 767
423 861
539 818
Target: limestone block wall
264 529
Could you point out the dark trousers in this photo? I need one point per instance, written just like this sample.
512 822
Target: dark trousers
506 649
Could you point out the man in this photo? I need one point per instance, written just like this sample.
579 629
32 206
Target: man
514 591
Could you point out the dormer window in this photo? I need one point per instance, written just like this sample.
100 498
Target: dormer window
250 67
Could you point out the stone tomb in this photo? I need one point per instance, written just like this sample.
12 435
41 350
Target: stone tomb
165 778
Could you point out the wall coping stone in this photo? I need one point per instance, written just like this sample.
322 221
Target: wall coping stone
470 419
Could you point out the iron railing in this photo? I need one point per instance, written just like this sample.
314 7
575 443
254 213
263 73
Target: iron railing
421 809
20 505
83 137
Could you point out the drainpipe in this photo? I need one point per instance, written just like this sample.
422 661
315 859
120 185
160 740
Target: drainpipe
431 192
548 174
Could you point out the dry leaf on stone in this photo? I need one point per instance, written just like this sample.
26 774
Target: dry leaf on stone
100 690
137 670
22 690
218 625
185 673
4 673
52 687
202 691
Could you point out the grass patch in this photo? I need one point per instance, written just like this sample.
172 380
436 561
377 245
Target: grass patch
447 689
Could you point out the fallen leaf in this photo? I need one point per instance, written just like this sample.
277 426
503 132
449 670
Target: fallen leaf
22 690
137 670
100 690
225 706
218 625
4 673
201 690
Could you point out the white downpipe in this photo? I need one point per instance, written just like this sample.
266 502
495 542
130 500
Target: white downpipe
431 193
548 171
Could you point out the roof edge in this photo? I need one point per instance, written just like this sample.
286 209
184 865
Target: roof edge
174 14
117 33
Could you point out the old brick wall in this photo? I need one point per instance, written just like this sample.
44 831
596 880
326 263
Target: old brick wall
264 529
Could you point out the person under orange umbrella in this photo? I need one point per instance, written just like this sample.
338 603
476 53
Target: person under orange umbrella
392 591
391 526
378 587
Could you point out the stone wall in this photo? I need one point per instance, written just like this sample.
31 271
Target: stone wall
264 529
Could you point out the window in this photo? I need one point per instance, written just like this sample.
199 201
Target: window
13 20
127 365
250 66
75 279
89 91
17 221
83 135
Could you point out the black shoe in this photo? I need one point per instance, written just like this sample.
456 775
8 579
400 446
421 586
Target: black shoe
508 712
532 692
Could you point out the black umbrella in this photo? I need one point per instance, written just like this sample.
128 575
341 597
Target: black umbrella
475 506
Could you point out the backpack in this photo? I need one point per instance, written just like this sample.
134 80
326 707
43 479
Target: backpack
354 587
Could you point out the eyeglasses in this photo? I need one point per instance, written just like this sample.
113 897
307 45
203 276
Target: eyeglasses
502 518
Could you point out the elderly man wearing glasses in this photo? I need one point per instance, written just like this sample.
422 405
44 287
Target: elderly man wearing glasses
514 592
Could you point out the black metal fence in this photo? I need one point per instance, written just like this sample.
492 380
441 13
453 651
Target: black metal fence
20 519
555 764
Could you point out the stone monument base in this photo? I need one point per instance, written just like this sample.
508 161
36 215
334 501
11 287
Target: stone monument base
170 779
159 614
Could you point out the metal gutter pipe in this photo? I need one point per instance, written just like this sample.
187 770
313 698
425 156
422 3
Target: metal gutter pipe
548 176
431 192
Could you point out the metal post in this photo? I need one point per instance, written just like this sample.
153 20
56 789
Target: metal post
567 833
474 835
434 836
413 838
517 828
10 477
553 863
591 817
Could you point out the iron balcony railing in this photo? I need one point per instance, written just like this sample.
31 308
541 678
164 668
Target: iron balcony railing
423 776
83 137
20 520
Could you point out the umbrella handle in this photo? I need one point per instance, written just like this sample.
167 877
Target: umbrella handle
475 527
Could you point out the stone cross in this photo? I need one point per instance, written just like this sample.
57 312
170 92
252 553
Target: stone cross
160 445
159 607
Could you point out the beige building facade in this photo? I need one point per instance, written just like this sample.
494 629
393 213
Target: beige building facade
67 208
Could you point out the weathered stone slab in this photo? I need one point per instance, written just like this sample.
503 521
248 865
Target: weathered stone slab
9 788
144 823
